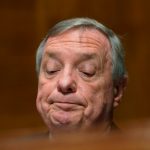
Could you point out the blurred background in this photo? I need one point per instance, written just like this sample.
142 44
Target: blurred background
24 23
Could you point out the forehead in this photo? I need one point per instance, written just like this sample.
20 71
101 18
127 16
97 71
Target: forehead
88 39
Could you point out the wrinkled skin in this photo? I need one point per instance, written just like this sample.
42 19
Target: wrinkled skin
75 87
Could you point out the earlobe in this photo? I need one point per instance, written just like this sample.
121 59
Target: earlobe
118 93
119 90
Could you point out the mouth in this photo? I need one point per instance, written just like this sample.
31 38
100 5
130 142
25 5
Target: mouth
66 106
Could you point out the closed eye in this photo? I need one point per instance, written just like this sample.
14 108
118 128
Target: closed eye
88 74
51 72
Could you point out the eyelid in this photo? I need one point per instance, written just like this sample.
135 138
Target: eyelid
52 67
52 71
51 62
87 72
88 67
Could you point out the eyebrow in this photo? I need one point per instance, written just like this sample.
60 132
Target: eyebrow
54 55
87 56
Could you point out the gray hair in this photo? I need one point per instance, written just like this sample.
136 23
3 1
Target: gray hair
118 65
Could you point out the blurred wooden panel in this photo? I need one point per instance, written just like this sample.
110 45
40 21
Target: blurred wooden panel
24 23
135 138
17 74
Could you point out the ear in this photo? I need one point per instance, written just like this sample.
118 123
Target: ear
119 89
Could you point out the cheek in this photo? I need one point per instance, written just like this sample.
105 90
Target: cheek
45 89
45 86
95 98
97 95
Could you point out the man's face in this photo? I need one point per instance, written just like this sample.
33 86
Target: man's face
75 81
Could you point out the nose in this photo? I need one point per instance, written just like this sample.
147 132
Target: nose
67 84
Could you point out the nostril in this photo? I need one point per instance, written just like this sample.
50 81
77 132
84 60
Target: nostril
70 90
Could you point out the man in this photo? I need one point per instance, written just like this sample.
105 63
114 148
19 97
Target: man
82 76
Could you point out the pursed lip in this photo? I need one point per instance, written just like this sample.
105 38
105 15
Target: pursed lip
67 102
66 106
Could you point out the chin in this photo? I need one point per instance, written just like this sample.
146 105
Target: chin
64 128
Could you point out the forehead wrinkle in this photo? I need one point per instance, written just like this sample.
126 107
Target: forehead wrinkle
94 36
92 41
79 44
82 56
87 37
